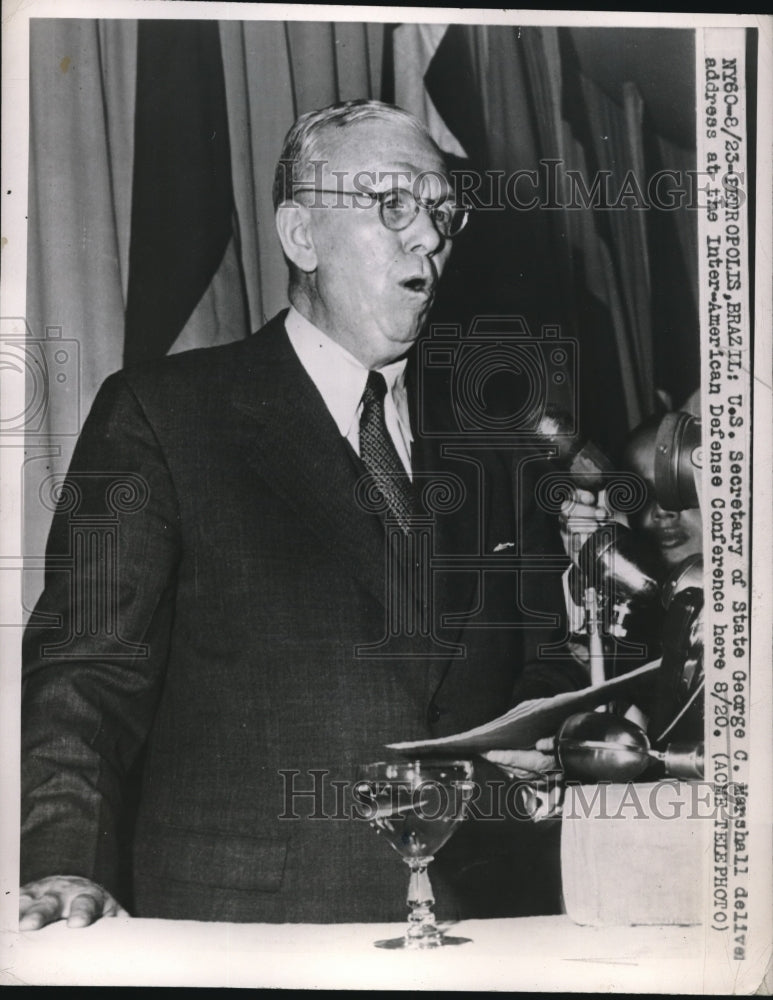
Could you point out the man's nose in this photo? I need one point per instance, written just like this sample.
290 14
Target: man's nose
661 514
423 236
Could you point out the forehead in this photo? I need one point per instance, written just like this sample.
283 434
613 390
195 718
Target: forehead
391 150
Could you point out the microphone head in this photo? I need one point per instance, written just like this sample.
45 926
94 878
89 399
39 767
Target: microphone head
615 559
677 459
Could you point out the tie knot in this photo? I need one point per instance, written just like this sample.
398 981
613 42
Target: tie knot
375 388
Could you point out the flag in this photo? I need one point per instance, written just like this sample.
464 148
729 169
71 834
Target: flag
428 71
182 197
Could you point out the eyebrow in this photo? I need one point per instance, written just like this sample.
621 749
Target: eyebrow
407 170
407 178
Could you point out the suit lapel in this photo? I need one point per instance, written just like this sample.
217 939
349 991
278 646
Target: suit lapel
293 443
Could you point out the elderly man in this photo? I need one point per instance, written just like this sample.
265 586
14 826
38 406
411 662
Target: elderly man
253 661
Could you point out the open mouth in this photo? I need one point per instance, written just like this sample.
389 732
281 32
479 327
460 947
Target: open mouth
422 286
670 539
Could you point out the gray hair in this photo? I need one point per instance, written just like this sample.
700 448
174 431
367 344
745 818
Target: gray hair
302 145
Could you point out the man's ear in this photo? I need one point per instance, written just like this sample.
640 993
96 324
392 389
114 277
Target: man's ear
293 225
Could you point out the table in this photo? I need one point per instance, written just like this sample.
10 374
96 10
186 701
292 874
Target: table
535 953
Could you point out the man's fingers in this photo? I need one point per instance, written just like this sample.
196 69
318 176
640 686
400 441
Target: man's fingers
585 497
583 512
79 900
84 910
26 899
40 912
584 505
583 515
522 763
114 909
32 920
578 499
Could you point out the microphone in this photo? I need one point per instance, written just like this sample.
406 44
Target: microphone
678 460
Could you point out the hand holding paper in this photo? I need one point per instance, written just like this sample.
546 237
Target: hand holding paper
539 719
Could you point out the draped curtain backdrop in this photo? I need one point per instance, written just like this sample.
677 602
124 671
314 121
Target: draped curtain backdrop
152 150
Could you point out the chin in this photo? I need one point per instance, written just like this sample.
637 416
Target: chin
405 336
673 557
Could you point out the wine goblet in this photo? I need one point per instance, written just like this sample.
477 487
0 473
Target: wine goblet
416 805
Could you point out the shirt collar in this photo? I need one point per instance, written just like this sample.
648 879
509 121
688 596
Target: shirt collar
339 377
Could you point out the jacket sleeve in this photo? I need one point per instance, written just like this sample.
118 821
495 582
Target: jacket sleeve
95 648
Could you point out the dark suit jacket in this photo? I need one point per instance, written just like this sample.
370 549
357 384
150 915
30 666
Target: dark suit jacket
210 577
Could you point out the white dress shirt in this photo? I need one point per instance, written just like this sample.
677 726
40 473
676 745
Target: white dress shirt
340 379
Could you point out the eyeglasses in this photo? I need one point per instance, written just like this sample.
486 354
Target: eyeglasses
397 208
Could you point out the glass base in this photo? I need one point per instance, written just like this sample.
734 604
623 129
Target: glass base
421 943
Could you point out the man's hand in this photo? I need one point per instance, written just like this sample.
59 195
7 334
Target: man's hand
526 763
579 518
65 897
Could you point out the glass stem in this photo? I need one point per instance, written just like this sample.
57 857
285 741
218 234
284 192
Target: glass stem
421 919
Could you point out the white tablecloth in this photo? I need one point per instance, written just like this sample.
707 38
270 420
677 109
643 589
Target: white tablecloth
537 953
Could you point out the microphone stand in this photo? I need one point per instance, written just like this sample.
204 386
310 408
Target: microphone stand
595 645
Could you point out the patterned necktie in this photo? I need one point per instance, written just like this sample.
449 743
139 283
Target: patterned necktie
379 454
